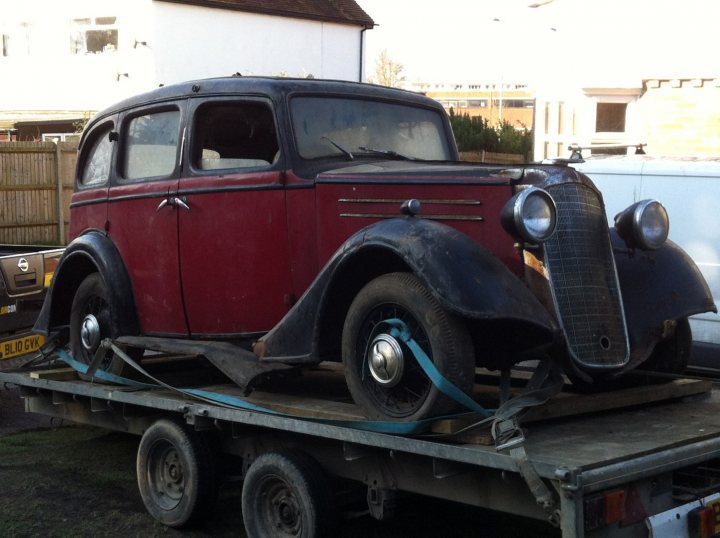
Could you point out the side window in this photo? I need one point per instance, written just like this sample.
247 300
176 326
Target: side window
96 163
234 136
151 144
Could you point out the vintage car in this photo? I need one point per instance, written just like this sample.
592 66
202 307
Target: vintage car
307 220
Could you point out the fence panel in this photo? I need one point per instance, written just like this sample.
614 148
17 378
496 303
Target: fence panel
35 175
36 181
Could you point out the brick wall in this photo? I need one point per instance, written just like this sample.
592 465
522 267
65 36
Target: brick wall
681 117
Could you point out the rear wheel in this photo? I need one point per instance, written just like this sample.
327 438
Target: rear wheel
381 371
91 321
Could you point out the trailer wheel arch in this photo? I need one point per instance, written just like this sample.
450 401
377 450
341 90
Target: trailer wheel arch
287 493
176 474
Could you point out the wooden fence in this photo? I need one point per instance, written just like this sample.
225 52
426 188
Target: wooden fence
36 183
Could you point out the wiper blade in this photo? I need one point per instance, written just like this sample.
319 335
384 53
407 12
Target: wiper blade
388 153
347 152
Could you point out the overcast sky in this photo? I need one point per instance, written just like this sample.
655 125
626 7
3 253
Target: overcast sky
477 40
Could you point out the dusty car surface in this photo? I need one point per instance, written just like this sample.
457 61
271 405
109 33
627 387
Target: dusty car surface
311 220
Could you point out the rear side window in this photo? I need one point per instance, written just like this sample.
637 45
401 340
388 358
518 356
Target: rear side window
96 169
151 145
234 136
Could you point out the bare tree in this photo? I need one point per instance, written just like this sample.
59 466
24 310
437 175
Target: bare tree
387 71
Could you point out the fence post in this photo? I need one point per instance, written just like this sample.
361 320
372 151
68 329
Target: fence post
59 184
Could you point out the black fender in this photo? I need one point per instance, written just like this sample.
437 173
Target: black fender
89 253
466 279
657 286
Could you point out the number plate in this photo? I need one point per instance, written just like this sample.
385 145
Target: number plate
20 346
715 505
674 523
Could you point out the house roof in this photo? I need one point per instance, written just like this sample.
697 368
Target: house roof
338 11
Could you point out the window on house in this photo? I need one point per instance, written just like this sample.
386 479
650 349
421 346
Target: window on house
18 41
93 35
478 103
151 143
610 117
234 135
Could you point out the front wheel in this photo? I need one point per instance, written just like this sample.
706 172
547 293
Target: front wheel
381 371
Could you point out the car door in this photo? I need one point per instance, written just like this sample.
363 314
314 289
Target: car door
89 201
233 231
143 215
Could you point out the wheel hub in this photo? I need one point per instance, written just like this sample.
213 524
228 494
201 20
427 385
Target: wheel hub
90 332
386 360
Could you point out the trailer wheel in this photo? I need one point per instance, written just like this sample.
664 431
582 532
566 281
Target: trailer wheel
176 474
381 372
91 322
287 494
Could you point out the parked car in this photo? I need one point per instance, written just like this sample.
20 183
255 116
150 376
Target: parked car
314 220
690 189
25 274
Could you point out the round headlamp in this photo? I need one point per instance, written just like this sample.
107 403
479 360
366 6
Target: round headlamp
643 225
530 215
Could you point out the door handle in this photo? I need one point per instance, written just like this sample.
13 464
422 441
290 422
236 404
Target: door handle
181 202
174 201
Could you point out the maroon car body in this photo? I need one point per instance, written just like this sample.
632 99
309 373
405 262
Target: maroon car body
267 212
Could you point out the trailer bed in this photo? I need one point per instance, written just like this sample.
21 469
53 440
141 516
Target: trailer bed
579 454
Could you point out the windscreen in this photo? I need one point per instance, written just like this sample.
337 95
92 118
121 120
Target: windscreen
326 127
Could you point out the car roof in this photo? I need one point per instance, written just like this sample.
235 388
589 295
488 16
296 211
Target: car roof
274 87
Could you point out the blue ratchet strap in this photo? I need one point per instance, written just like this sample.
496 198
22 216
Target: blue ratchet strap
377 426
400 330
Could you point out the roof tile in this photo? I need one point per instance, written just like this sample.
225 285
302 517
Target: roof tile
340 11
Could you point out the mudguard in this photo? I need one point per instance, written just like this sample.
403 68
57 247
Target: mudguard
466 279
657 286
88 253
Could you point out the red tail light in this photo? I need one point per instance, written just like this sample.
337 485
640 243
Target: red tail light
701 522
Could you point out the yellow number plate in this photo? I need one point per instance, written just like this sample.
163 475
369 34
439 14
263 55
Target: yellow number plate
20 346
715 505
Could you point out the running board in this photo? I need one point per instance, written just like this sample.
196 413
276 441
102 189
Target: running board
240 365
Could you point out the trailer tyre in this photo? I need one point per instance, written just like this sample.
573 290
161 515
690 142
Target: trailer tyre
287 494
176 474
380 370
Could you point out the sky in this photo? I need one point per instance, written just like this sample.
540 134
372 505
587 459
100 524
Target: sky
481 40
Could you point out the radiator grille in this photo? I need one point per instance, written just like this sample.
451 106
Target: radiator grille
583 279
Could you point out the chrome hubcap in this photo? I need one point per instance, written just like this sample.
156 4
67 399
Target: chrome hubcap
90 333
386 360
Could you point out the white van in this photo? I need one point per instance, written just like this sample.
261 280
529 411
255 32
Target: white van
690 190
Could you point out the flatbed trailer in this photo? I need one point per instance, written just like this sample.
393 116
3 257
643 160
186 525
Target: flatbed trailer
637 462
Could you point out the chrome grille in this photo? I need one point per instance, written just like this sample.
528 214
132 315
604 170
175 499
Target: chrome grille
583 279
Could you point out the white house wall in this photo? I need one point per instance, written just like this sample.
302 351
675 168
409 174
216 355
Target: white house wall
193 42
158 42
43 73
